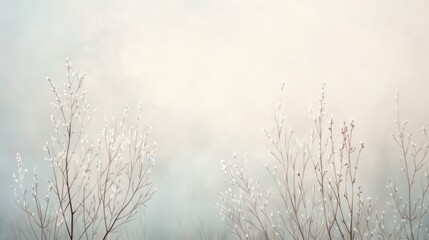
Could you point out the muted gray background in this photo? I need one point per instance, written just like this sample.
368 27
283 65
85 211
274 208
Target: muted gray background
208 74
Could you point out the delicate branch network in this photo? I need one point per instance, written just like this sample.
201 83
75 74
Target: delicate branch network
95 187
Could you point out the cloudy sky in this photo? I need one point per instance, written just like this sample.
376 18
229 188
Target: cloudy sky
208 73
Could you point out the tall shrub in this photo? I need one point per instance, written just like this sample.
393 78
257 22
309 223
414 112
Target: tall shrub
317 193
94 187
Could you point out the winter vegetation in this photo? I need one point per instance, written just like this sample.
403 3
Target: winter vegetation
311 187
316 190
94 187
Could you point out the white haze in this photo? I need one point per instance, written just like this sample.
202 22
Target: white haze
208 74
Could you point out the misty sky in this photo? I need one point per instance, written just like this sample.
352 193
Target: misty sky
208 74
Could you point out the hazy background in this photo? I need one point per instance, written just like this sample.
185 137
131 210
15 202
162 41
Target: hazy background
208 74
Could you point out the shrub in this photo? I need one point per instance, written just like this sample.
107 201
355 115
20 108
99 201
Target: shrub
409 203
318 194
94 187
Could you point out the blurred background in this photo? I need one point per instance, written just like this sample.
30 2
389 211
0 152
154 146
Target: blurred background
209 73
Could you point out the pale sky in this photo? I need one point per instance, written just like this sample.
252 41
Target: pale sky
208 74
